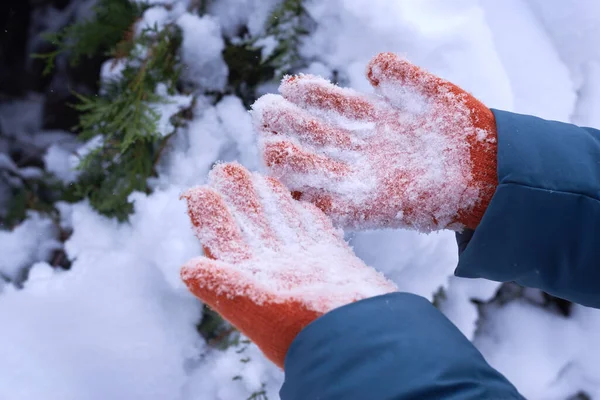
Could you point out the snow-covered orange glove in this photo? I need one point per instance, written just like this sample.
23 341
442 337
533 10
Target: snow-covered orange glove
420 153
276 264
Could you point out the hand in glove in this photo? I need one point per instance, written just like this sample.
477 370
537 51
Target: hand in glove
276 264
420 153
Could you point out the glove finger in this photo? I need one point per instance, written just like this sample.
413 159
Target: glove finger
318 225
350 212
399 80
282 211
341 213
316 93
273 115
210 280
237 187
215 226
288 160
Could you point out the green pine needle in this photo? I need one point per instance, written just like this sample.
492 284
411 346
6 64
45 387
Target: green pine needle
124 114
100 35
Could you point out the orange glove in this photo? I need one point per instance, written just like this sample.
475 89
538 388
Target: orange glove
278 263
421 153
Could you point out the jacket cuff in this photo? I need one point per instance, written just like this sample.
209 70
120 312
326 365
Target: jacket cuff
542 226
395 346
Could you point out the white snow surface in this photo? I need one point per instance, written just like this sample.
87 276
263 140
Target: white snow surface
30 242
120 324
201 51
235 14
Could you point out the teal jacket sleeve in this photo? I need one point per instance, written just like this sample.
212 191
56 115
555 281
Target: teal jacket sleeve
542 226
397 346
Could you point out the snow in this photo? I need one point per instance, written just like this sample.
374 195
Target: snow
120 324
201 52
588 104
541 85
237 125
169 107
506 344
195 149
547 356
258 233
153 18
57 162
32 241
451 40
111 70
214 377
120 315
573 29
415 251
234 14
268 45
62 157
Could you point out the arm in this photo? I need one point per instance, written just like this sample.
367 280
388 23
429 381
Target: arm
291 284
542 226
396 346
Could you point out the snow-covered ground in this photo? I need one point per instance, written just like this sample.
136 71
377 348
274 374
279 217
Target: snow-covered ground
121 325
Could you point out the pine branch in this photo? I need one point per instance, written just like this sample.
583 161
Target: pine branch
98 35
287 24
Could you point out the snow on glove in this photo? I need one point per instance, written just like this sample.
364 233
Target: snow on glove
421 153
276 264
